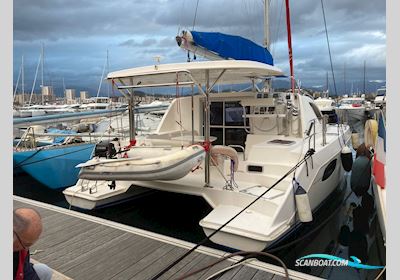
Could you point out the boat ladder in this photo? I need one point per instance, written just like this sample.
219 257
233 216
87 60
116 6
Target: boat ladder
85 186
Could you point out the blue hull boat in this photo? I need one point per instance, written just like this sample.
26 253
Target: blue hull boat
54 165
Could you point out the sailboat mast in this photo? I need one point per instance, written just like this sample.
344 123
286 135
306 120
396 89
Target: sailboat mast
41 86
34 81
108 71
65 97
327 85
364 79
289 36
266 43
23 84
344 77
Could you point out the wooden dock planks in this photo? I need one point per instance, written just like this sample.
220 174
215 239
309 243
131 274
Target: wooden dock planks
84 249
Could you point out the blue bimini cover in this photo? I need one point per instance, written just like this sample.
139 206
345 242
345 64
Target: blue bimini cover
232 47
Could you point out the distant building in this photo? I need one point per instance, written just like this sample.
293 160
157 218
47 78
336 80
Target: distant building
70 95
21 99
48 94
84 94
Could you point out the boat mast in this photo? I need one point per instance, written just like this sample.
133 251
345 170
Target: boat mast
41 86
34 81
19 76
23 78
266 41
364 79
102 75
327 85
289 35
65 97
266 25
344 77
108 71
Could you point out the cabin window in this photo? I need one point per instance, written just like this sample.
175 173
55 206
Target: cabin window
216 113
227 123
329 170
235 136
219 133
234 114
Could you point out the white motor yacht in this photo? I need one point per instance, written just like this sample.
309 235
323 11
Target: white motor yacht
351 109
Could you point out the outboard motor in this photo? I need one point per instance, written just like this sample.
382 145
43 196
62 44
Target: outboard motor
347 158
105 149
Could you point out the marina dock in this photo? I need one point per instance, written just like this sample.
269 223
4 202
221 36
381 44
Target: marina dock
80 246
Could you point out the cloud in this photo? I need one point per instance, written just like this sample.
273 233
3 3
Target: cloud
77 33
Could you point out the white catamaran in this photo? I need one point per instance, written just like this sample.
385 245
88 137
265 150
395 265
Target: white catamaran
263 160
272 131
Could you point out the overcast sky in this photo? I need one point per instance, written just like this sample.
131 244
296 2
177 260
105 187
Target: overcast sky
77 34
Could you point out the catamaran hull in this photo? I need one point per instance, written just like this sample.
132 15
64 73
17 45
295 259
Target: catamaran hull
54 166
94 195
264 223
242 234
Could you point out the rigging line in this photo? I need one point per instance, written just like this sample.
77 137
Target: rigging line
195 14
29 157
247 9
308 155
180 23
101 78
273 50
329 48
34 81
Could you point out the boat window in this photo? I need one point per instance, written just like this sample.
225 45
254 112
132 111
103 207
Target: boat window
219 133
227 123
234 114
235 136
216 113
329 170
316 110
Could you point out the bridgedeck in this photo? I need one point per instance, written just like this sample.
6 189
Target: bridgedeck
80 246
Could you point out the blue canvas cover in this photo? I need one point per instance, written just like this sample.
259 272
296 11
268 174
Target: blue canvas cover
232 47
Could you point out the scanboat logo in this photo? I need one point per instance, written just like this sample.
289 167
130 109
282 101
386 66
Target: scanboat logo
329 260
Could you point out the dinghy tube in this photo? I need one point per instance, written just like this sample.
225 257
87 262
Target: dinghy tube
171 166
